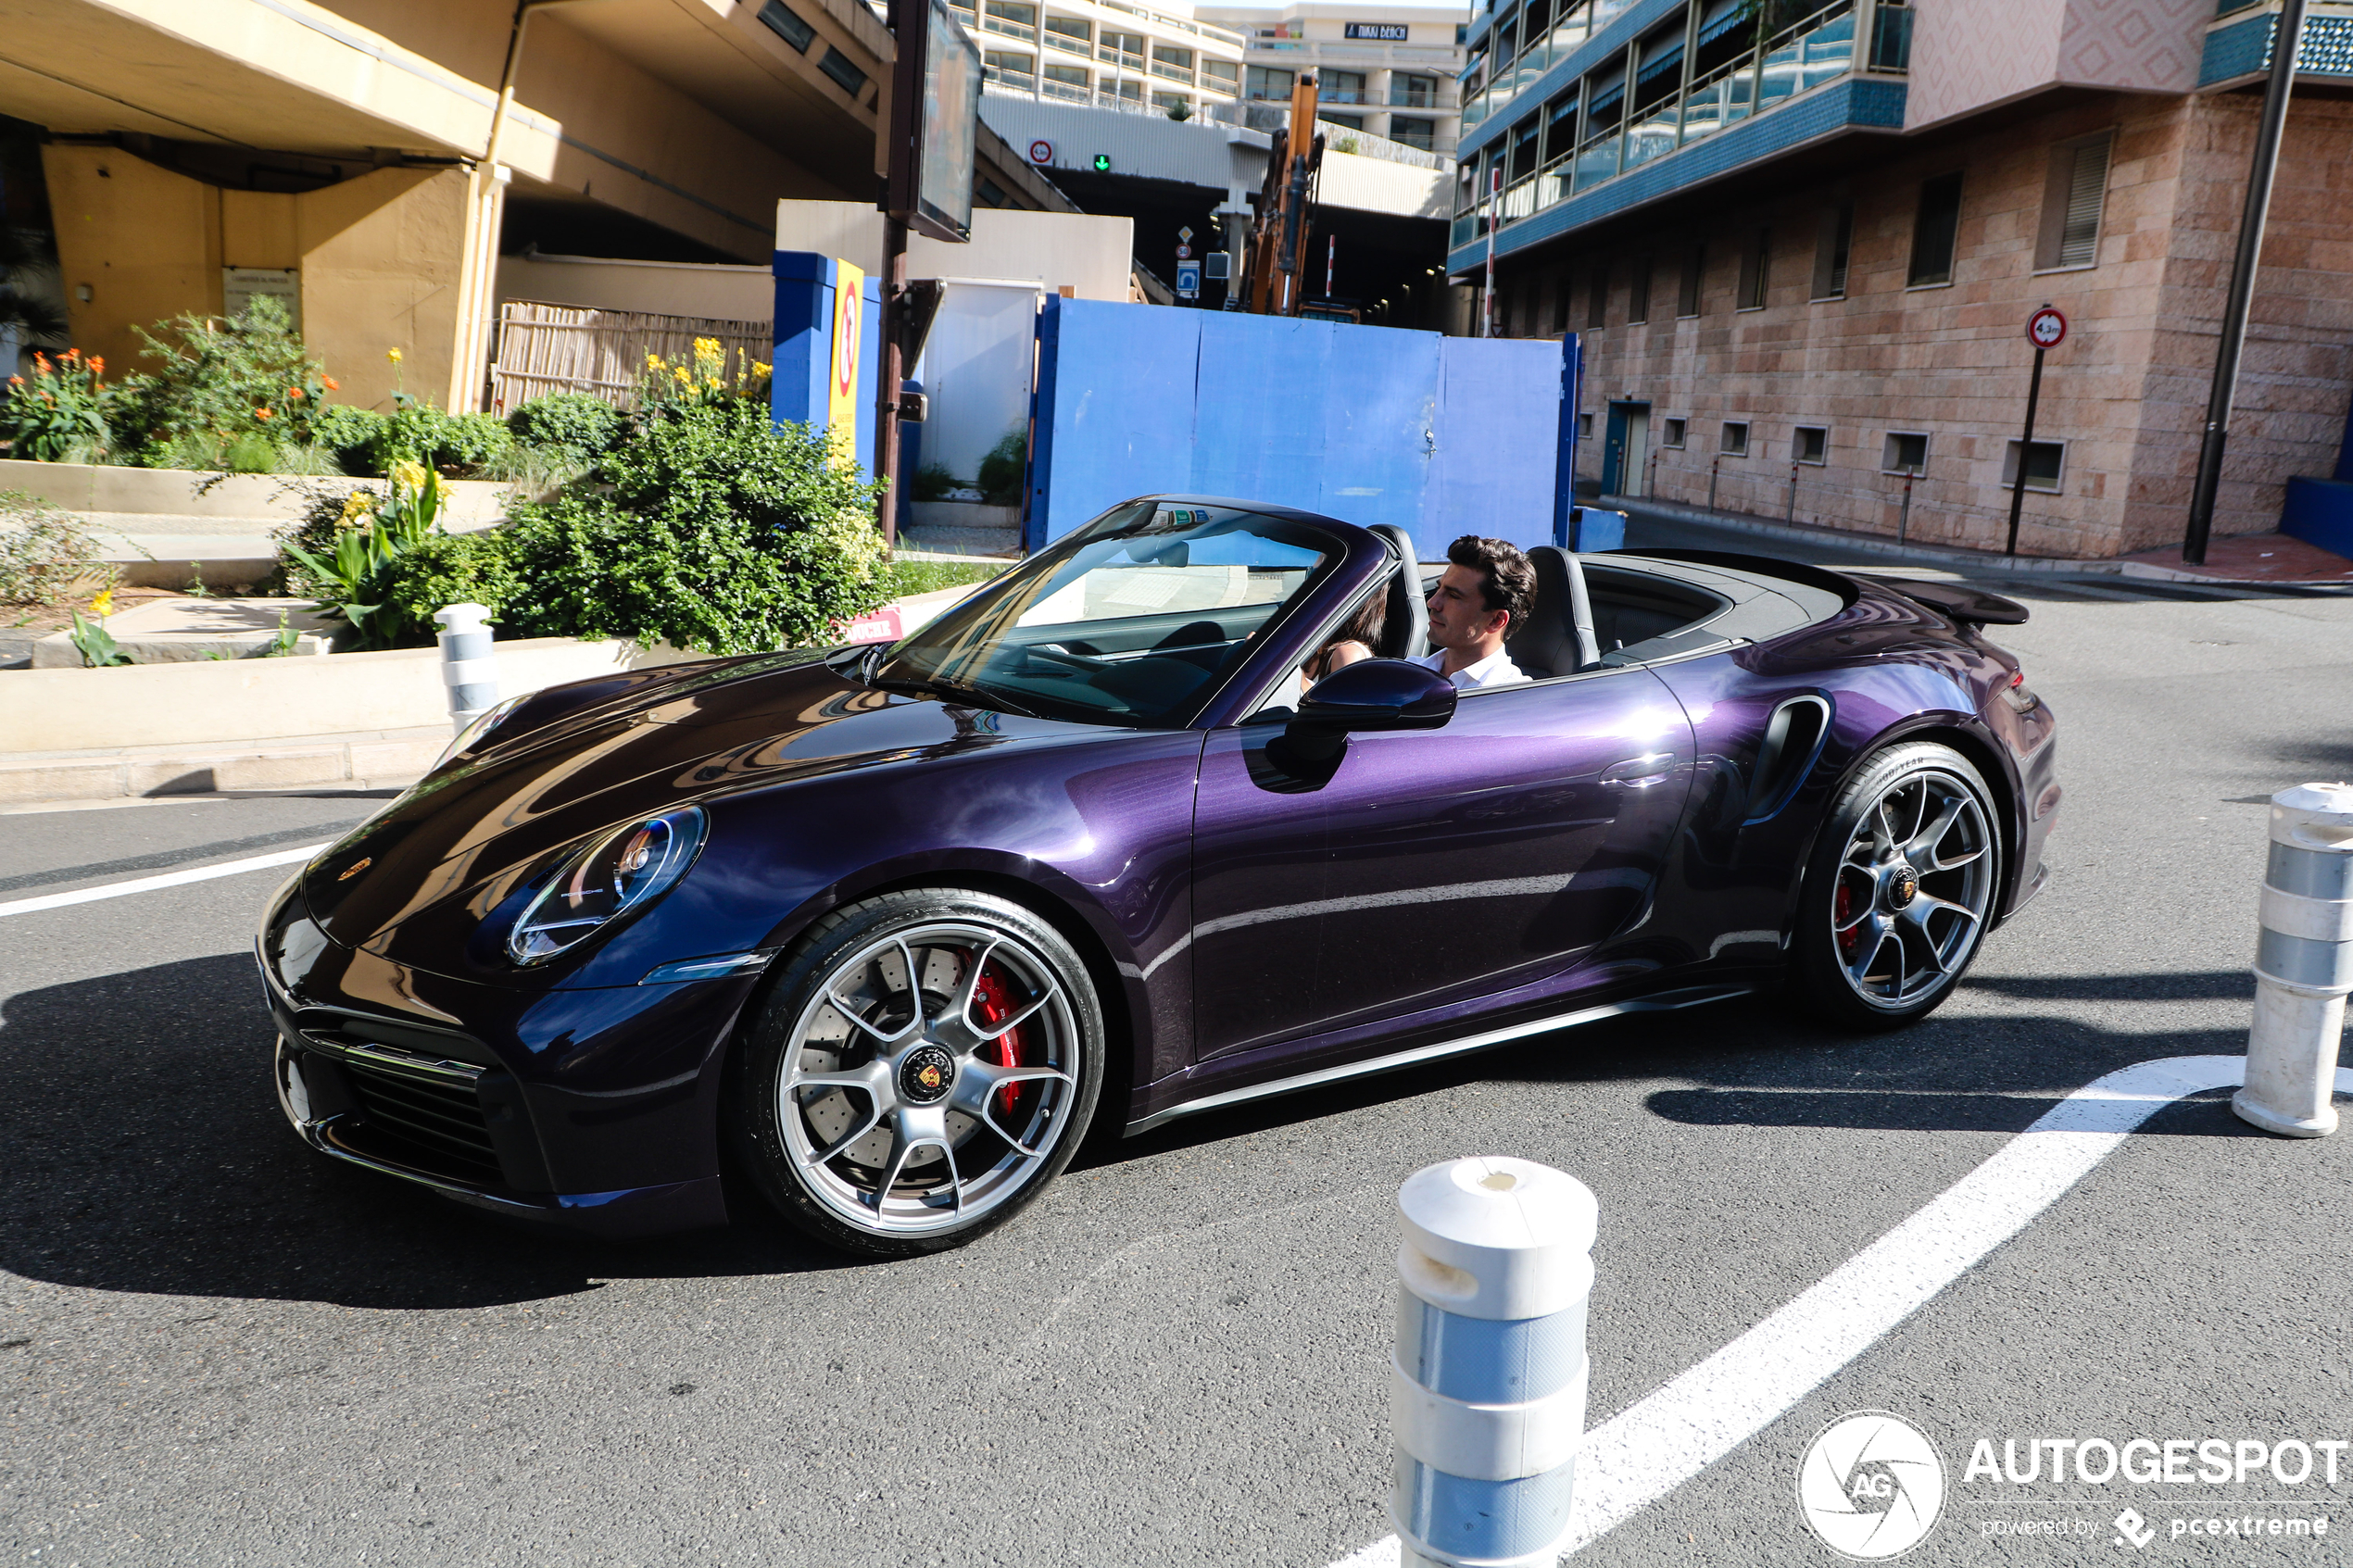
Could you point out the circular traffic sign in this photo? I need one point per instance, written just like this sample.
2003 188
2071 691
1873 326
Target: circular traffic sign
2047 328
1041 151
1184 253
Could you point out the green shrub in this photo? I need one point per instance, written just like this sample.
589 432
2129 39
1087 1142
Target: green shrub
419 433
219 380
933 482
46 557
713 531
929 576
573 424
250 453
1005 470
350 433
449 569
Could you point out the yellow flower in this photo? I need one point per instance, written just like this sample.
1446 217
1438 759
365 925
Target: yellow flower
393 355
414 475
354 508
103 605
760 368
706 346
681 374
653 360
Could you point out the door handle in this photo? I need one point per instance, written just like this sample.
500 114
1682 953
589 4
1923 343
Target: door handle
1640 772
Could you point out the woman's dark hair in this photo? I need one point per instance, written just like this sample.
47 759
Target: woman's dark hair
1506 580
1368 625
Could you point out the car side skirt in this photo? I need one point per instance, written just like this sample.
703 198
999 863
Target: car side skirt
1664 1002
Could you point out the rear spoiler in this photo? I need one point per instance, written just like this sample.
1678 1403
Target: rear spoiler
1959 601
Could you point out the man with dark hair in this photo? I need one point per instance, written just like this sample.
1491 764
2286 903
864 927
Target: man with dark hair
1487 590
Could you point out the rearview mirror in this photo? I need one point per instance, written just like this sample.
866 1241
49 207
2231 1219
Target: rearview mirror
1372 693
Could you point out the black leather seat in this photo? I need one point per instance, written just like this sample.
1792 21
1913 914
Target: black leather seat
1558 637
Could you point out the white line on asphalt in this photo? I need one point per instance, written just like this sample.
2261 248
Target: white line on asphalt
168 879
1656 1444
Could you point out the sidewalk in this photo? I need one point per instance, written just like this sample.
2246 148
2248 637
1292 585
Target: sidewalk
2250 560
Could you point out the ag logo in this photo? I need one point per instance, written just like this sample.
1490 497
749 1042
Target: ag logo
1870 1486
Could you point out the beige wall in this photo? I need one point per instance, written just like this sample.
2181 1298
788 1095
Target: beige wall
2126 392
713 292
378 259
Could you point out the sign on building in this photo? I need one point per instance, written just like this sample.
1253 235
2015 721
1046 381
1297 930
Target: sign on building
1380 33
240 286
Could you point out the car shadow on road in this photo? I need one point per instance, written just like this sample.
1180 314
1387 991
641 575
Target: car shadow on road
141 1150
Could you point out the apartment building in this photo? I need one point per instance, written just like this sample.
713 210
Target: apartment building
1106 53
368 160
1391 70
1801 246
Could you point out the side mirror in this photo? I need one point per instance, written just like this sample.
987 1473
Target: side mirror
1372 693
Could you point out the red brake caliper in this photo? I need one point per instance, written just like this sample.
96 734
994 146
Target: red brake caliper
1843 907
990 1003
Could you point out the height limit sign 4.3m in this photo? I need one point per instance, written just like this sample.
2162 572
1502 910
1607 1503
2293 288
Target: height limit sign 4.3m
2047 328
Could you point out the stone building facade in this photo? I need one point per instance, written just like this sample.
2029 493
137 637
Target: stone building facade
1847 308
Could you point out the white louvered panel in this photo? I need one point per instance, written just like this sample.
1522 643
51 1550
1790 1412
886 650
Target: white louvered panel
2079 241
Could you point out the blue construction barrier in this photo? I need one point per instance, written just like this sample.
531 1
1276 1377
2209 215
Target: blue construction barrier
1439 437
810 379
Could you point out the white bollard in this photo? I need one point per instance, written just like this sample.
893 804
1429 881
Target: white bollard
2303 965
468 667
1487 1387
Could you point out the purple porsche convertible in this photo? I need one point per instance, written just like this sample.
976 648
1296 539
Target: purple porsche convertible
876 934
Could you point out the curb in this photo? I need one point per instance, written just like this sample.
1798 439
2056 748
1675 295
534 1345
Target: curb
376 759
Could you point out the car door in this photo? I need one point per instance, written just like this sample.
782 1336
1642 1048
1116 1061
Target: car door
1428 868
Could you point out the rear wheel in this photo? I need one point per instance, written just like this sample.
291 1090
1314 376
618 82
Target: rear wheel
1899 891
923 1066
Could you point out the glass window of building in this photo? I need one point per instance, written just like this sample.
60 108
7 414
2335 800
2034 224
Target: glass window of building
1811 444
1638 295
1597 296
1342 86
1734 441
1267 83
1009 16
1833 239
1016 70
1220 74
1904 452
1172 104
1755 266
1128 48
1345 121
1936 230
1422 134
2072 200
1071 33
1068 76
1406 92
1170 61
1687 294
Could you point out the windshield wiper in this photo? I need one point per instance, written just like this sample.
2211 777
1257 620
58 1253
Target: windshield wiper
954 691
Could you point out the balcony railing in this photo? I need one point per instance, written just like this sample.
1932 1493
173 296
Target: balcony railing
1068 45
1010 30
1172 73
1410 98
1816 51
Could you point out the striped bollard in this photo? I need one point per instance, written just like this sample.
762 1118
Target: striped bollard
468 667
2303 965
1487 1389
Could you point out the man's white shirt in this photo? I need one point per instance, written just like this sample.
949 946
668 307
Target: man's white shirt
1495 670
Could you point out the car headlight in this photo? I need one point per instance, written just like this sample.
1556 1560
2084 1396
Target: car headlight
483 723
597 884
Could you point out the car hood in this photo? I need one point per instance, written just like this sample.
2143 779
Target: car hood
622 749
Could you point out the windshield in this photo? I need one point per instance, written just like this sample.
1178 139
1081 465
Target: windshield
1136 619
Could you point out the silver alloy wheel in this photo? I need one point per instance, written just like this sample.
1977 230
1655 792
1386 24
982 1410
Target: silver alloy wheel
929 1079
1913 888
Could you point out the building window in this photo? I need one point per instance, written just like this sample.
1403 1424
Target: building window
1069 32
848 77
1755 262
1638 292
1832 246
1069 76
1220 74
1122 48
1175 105
989 193
1906 452
1734 442
780 19
1686 291
1584 427
1812 445
1340 87
1413 92
2045 466
1009 16
1267 85
1673 438
1346 122
1560 302
2072 200
1127 91
1937 232
1016 70
1597 296
1422 134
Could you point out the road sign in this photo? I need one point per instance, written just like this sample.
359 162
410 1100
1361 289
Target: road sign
1041 151
1184 253
1189 280
2047 328
1186 235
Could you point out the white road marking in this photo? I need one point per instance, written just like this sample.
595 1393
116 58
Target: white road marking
1663 1440
168 879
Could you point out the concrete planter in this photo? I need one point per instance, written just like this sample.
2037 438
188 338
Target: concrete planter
109 496
259 699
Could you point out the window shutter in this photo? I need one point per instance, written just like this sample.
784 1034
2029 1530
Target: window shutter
2079 238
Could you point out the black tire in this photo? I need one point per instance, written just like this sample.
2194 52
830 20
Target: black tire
1007 1111
1868 953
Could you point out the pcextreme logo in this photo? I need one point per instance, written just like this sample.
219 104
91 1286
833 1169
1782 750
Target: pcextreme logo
1870 1486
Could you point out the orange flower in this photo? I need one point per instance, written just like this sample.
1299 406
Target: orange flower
261 413
97 364
73 354
331 385
40 363
293 395
16 381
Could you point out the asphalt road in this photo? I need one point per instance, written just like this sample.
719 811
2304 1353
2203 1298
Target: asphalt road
218 1349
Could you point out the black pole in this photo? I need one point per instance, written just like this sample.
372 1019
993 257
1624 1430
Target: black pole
2287 38
2025 450
894 370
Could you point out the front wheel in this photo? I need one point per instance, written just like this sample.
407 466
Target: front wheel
1899 890
923 1066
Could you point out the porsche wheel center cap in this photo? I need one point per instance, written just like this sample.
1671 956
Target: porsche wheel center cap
1903 886
927 1075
